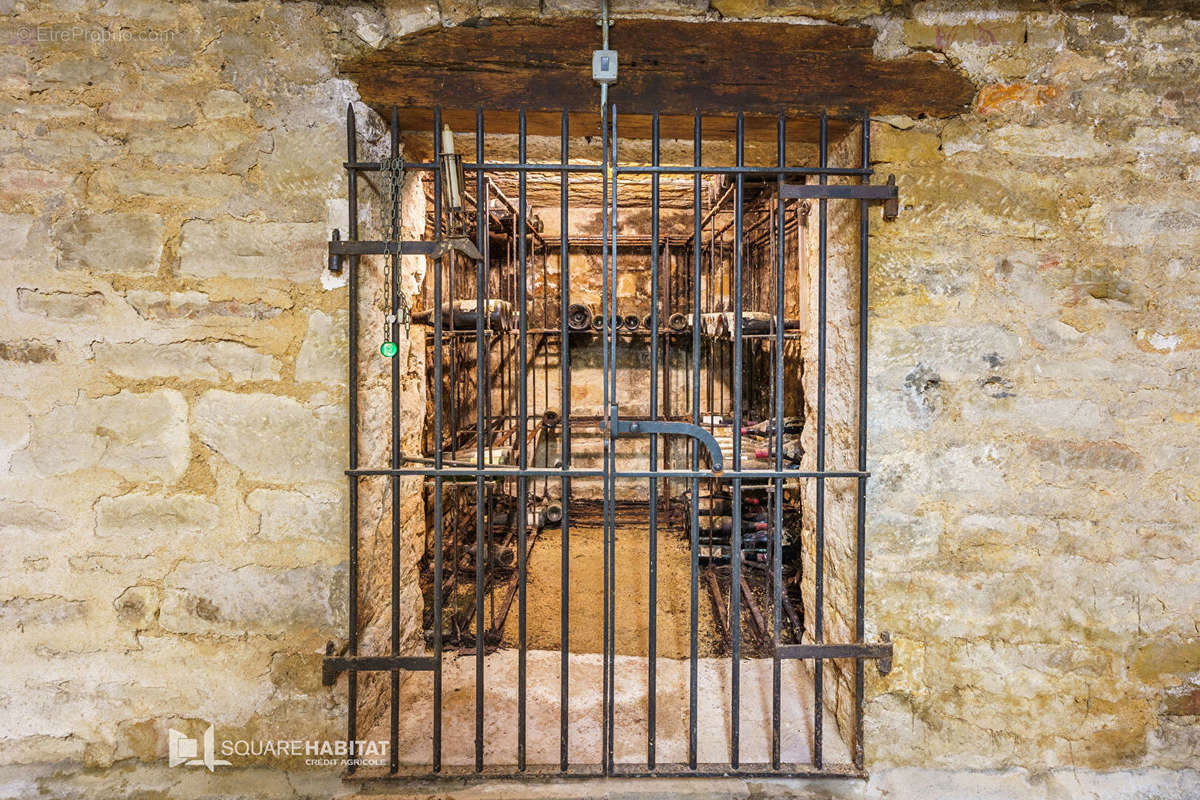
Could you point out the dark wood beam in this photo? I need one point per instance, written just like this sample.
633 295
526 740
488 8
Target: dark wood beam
673 66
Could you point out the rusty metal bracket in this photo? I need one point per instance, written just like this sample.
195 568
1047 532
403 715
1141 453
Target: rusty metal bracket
619 428
332 666
881 652
886 193
434 249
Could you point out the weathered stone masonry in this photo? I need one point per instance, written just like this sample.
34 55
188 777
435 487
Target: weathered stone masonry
172 416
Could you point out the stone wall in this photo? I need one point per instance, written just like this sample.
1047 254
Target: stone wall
173 424
1032 401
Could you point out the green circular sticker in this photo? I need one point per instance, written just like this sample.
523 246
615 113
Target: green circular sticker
388 349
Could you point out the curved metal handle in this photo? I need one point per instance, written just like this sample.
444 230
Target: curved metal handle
619 428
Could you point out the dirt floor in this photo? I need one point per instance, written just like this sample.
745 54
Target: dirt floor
586 594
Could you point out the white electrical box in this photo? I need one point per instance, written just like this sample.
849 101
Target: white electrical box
604 66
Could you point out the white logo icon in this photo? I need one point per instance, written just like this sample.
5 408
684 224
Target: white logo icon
184 750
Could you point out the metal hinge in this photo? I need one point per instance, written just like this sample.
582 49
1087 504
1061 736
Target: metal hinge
886 193
881 651
339 249
333 665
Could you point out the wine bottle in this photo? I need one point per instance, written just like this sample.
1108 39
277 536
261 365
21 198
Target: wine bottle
791 451
551 515
461 315
715 525
792 426
579 317
754 323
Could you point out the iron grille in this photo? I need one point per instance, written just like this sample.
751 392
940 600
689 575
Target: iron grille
730 278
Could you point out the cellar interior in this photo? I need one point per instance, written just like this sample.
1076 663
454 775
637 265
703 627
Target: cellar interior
667 230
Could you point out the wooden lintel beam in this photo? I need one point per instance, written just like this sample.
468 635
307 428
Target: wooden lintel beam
671 66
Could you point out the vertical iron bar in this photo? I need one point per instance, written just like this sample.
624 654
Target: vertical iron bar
481 294
652 678
522 421
735 535
819 629
564 269
777 525
612 468
394 290
437 453
861 484
694 611
607 332
352 401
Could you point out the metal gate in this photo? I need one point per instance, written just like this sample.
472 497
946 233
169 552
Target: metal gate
723 371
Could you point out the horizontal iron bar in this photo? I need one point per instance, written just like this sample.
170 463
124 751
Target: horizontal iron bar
501 166
333 666
768 172
619 770
792 191
536 472
435 248
375 248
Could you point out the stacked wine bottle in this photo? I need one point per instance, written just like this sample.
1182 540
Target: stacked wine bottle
715 524
714 506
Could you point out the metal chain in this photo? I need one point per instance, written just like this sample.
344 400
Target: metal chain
391 223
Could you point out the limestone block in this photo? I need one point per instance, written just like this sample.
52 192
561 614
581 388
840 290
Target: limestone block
954 351
184 186
221 103
117 241
70 145
272 438
186 360
409 17
146 521
323 355
1161 224
14 231
889 145
83 306
264 250
196 306
23 612
822 9
140 436
136 108
312 514
1074 455
983 33
1008 202
14 428
137 606
1061 140
299 163
28 351
213 598
228 148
